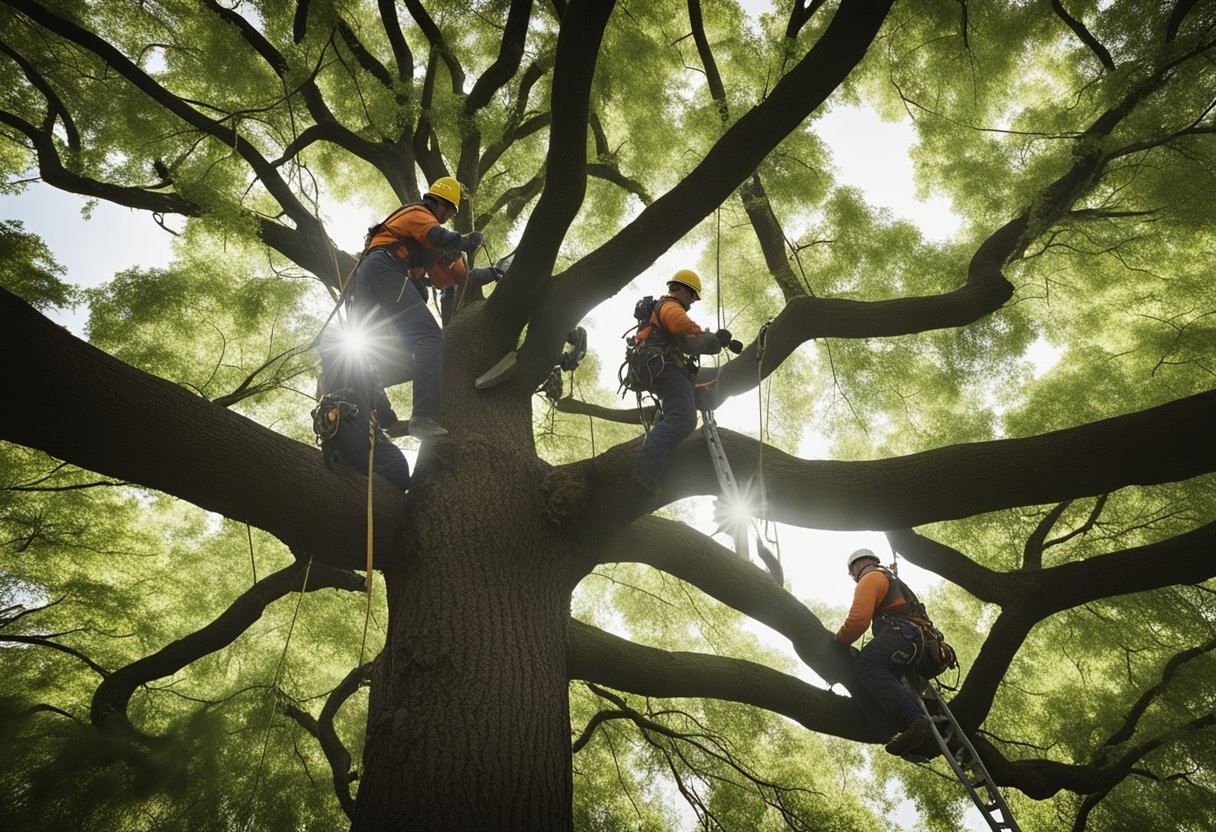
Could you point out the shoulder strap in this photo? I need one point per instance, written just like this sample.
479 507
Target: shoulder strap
383 226
913 604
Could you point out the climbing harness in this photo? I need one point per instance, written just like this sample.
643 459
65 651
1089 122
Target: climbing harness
961 756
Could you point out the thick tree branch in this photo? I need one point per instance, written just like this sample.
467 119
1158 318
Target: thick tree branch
507 61
694 558
163 437
1040 779
1084 34
109 709
402 55
52 171
949 563
1132 719
1167 443
1032 552
1029 597
728 163
801 12
578 47
625 416
1181 9
439 46
596 656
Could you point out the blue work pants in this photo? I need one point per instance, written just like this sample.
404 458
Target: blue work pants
387 459
381 282
674 390
881 666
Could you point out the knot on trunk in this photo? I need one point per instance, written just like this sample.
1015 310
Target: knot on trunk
565 495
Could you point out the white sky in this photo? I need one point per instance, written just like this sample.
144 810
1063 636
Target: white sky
868 154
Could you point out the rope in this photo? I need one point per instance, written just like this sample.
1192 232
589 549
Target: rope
274 689
763 416
371 459
718 262
253 563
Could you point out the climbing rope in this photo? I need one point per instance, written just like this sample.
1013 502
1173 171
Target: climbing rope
252 563
274 692
367 586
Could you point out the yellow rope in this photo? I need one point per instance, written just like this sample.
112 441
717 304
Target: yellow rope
371 458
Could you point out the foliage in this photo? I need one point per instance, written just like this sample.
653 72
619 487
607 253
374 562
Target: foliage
1076 147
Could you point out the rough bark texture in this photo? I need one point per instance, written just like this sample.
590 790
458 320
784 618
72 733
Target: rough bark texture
469 719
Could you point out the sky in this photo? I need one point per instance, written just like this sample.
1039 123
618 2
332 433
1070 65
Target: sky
868 154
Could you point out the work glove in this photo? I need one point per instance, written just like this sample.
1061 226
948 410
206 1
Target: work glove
723 336
473 241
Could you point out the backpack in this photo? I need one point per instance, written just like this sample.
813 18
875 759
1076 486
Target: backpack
643 360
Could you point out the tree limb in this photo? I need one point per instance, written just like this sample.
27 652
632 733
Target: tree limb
560 304
163 437
1084 34
109 709
1162 444
596 656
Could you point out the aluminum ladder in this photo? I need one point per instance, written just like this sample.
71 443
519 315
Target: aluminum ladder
962 757
726 479
727 514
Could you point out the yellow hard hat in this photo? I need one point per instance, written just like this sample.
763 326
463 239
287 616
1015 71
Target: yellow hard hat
689 278
446 188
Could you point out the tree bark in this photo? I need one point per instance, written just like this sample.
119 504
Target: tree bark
468 724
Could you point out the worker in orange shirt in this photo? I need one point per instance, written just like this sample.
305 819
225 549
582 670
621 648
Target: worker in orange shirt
885 605
402 255
669 343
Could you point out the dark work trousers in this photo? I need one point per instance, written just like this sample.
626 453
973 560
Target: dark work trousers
381 281
388 461
674 391
880 668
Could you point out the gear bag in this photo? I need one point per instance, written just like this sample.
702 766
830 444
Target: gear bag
646 359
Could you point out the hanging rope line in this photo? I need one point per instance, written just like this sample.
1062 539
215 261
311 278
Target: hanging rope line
274 693
367 586
252 563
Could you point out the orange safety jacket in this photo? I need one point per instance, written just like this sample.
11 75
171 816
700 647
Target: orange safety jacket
879 595
669 325
425 248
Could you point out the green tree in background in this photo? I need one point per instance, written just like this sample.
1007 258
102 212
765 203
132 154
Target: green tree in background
183 623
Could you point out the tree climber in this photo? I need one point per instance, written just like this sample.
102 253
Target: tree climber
401 256
665 351
903 639
351 397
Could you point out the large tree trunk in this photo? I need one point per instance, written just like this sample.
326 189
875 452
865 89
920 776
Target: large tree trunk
469 722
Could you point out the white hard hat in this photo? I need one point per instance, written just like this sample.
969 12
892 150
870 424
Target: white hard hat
858 555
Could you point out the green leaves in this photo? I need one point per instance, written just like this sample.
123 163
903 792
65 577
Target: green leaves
28 269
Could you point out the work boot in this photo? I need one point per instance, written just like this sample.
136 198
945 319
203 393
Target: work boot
424 426
915 735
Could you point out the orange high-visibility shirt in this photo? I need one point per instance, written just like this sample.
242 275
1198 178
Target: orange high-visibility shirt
672 318
416 222
871 589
